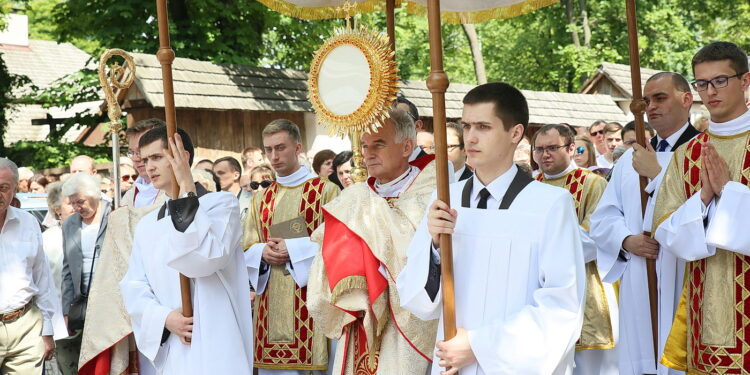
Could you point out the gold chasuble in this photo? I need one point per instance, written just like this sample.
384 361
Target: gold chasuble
352 285
285 336
587 188
108 346
711 328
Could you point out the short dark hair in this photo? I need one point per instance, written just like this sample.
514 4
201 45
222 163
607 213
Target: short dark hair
630 127
564 131
320 158
159 133
413 111
678 81
340 159
718 51
144 125
459 131
510 104
233 163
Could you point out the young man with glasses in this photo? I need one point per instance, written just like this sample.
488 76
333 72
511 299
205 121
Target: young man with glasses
553 146
518 265
701 217
618 225
144 193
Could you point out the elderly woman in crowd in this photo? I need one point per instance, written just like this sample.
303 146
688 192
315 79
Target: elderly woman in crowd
52 239
83 234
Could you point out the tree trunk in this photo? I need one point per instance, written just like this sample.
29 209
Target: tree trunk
572 23
476 52
585 23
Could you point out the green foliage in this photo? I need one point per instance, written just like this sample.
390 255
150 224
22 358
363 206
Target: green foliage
9 85
42 154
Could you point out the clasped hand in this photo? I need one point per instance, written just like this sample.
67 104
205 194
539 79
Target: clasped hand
714 173
275 252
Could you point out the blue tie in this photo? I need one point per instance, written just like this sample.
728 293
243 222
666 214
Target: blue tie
662 146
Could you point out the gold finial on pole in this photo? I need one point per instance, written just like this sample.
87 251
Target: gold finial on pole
120 79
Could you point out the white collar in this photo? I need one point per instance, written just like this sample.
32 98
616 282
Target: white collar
672 139
736 126
415 153
571 167
395 187
498 186
142 185
296 178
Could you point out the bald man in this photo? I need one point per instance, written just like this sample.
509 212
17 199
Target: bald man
82 164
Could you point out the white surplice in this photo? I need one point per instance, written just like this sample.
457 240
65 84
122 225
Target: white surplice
209 253
617 216
519 280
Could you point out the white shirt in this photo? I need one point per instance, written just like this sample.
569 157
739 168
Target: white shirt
602 161
53 248
24 272
672 139
89 233
497 188
145 193
457 174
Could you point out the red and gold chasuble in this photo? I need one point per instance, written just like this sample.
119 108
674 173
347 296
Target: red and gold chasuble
587 188
711 330
285 337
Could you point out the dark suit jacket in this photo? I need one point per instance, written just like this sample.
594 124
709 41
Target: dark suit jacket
689 133
72 272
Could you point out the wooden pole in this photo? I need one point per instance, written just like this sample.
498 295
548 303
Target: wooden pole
438 83
638 108
166 55
390 22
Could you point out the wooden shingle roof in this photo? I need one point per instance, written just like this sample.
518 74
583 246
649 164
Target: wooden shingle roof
207 85
619 76
544 107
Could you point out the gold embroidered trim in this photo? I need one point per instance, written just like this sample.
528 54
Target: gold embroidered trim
346 284
733 136
325 12
483 15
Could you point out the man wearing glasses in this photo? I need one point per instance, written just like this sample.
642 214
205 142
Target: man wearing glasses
553 147
617 225
702 208
143 193
457 152
596 134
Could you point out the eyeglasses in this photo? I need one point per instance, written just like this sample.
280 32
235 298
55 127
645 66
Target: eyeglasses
594 134
451 147
429 148
550 149
718 82
580 150
128 177
264 184
132 154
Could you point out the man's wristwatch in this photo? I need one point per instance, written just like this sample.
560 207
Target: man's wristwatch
189 194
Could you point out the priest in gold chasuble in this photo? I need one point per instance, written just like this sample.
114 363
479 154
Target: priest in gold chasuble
352 290
278 255
553 147
700 216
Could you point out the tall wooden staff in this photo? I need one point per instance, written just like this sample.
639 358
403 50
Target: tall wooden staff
438 83
638 107
165 55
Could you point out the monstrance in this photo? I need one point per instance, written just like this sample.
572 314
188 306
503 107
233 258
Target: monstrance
352 85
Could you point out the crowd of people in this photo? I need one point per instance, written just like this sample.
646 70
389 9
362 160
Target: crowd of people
292 267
